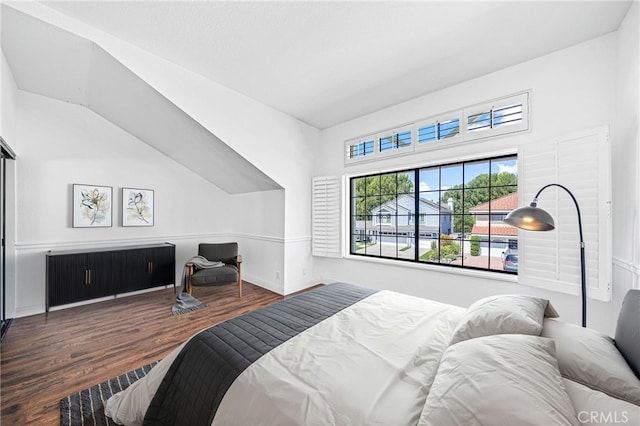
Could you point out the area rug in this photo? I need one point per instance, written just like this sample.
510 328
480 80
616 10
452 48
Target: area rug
87 407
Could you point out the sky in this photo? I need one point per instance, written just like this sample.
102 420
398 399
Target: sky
433 179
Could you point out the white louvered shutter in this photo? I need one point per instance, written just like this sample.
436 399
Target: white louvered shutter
551 260
326 216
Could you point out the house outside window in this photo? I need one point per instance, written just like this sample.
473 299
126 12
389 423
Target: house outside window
383 219
488 222
459 208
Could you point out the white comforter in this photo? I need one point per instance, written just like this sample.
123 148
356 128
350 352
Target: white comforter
371 363
378 361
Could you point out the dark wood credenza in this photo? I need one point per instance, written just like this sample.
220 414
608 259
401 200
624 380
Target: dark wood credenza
78 275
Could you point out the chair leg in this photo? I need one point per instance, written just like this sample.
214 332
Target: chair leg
240 279
189 286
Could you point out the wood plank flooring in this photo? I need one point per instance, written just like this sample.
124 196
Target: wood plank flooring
46 357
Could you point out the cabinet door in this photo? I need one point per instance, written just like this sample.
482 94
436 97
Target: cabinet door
101 281
161 264
131 270
67 277
75 277
143 268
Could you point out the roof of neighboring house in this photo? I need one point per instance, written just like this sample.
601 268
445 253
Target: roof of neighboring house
506 203
496 230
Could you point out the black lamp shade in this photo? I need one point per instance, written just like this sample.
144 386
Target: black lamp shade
530 218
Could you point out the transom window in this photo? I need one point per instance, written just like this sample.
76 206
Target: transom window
360 149
493 118
395 141
438 131
457 205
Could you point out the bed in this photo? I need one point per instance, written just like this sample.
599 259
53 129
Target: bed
348 355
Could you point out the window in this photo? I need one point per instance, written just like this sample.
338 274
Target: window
438 131
395 141
427 134
494 118
498 117
381 144
456 205
360 149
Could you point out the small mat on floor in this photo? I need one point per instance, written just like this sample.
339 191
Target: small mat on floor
87 406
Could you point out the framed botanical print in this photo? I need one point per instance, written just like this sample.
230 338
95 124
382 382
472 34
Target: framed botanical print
92 206
137 207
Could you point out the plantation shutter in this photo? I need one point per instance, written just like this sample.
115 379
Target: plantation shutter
551 260
326 217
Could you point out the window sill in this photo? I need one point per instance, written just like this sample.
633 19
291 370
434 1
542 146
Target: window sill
475 273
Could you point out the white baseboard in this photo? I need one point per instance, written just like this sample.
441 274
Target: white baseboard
260 282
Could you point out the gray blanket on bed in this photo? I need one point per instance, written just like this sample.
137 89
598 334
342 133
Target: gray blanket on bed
196 382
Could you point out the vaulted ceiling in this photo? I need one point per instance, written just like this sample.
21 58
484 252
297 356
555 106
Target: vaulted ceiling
55 63
321 62
325 62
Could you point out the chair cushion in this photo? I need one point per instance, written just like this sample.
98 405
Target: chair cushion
225 252
233 261
215 276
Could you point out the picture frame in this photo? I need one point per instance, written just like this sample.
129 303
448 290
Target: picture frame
137 207
92 206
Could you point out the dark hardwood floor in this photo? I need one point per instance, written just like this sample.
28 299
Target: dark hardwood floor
46 357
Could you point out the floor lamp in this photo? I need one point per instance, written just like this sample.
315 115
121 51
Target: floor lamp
533 218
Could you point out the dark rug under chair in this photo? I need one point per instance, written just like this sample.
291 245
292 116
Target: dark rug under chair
87 406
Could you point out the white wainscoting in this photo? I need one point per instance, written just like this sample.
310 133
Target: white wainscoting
263 263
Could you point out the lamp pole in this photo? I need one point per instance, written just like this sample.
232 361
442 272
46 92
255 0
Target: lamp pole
535 219
582 260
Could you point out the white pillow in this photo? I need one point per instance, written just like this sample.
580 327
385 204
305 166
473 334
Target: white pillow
509 379
503 314
591 358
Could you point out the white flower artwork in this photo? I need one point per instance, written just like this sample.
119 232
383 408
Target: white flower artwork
137 207
91 206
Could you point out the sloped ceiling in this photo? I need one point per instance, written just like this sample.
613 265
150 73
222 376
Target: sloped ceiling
321 62
326 62
52 62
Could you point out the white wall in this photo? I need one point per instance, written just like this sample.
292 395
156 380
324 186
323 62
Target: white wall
572 90
257 222
60 144
279 145
626 159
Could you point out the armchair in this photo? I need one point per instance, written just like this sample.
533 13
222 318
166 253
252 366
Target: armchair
230 273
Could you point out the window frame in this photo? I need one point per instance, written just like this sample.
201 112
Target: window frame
490 107
463 135
393 133
437 120
464 238
349 146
